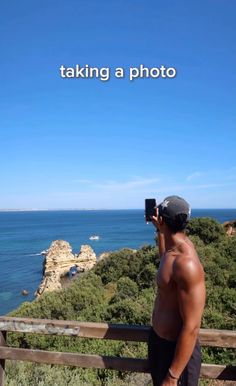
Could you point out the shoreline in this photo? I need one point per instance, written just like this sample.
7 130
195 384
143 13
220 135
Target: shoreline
22 271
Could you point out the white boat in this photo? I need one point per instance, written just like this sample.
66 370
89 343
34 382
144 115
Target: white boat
94 237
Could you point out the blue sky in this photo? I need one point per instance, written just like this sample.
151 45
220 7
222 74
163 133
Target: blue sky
83 143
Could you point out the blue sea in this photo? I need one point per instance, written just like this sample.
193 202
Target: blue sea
23 235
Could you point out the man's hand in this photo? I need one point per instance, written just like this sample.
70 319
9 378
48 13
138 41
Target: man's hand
168 381
160 236
155 220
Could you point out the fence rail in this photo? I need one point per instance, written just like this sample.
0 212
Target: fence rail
207 337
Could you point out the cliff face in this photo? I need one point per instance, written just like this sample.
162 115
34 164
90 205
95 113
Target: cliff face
58 261
230 227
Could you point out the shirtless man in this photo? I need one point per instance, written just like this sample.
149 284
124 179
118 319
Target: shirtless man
173 350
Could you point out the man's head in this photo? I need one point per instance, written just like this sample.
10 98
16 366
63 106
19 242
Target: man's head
175 212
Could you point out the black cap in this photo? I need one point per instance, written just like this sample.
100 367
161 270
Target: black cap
175 210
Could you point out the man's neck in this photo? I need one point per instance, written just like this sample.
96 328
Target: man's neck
172 240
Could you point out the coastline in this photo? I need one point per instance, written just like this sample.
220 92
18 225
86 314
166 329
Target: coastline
24 235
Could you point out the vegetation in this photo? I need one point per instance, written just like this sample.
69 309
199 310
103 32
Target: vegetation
121 289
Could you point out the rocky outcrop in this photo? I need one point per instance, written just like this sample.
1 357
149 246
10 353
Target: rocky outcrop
104 255
24 292
58 261
59 257
230 227
86 258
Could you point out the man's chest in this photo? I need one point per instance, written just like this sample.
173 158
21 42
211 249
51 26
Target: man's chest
165 273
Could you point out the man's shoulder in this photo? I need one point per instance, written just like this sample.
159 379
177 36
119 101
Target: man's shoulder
187 267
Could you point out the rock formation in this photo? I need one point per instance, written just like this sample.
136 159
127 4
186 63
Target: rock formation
86 258
25 292
104 255
58 261
230 227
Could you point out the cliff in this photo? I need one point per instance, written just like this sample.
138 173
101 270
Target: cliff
58 261
230 227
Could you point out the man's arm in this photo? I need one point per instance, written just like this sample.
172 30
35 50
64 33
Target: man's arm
161 243
160 235
189 278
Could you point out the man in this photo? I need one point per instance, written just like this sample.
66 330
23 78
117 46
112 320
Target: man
173 349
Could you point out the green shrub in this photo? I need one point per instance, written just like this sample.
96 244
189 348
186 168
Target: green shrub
207 229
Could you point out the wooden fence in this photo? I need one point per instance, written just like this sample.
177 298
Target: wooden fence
207 337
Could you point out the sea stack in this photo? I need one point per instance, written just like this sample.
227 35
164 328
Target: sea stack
58 261
86 258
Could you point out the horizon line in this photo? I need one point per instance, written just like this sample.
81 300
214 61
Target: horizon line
89 209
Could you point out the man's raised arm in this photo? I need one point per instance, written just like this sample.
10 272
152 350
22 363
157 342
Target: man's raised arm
160 235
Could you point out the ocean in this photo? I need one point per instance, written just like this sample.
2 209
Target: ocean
23 235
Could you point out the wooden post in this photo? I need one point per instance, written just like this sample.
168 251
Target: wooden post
3 337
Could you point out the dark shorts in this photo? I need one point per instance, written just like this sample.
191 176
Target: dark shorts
160 356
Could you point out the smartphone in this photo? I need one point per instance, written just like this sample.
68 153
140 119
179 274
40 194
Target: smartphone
150 208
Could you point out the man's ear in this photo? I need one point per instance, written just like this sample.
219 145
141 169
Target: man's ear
160 220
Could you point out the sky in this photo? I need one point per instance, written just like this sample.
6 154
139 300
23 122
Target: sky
87 143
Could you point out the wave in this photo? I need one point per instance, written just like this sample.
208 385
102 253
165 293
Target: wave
33 254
